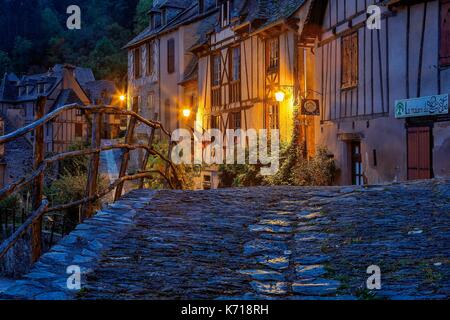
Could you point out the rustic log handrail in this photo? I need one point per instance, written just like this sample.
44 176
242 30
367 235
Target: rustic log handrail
36 178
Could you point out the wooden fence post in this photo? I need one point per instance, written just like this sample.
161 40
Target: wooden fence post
92 178
38 185
126 152
147 156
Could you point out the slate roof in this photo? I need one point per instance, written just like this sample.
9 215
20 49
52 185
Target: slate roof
190 72
9 88
100 90
66 96
189 14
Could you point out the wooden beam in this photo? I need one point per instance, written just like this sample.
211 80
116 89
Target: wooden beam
38 185
91 187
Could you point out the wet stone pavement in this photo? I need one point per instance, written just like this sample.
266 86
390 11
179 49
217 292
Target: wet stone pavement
258 243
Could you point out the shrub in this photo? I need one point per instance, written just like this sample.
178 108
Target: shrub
185 173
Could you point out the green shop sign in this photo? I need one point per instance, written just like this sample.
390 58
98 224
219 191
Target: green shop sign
420 107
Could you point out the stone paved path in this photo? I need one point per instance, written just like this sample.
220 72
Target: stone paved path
259 243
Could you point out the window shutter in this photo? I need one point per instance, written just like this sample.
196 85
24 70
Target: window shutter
444 52
171 56
137 63
349 61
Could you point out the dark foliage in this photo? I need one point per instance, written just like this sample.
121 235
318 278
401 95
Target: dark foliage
35 36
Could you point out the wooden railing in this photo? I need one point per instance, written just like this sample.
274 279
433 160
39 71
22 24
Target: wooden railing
40 205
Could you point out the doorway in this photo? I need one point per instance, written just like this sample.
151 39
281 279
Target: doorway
356 163
419 141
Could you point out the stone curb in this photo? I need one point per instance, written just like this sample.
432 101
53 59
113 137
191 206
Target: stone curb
83 248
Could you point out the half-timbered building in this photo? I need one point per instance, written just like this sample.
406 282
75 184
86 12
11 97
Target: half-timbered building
247 67
382 86
61 85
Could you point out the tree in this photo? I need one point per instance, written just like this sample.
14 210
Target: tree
141 17
22 53
5 63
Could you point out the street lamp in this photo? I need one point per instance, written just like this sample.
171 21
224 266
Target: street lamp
122 97
279 96
186 112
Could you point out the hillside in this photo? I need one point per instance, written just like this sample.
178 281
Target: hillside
35 36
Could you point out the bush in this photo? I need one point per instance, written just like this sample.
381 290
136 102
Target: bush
185 173
295 170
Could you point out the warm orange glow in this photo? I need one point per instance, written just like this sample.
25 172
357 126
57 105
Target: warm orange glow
279 96
122 97
187 112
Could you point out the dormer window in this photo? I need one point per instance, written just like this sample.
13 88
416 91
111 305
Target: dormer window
22 91
29 89
164 17
41 88
225 13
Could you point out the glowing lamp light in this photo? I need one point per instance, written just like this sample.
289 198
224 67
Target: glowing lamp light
187 112
122 97
279 96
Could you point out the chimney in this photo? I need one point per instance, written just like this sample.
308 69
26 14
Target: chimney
68 76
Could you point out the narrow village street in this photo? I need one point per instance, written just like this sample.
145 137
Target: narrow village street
270 243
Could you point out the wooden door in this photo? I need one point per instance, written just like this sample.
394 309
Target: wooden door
419 153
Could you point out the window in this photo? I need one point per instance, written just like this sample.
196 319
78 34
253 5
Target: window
216 93
234 120
201 6
40 88
272 117
273 54
216 62
137 63
78 130
171 56
152 107
167 113
135 104
150 58
349 61
215 122
235 66
444 50
225 13
22 91
164 17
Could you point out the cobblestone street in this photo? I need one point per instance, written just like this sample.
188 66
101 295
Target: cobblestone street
269 243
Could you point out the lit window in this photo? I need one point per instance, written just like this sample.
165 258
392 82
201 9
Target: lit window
273 54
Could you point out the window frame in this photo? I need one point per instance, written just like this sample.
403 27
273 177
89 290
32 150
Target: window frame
217 55
273 56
